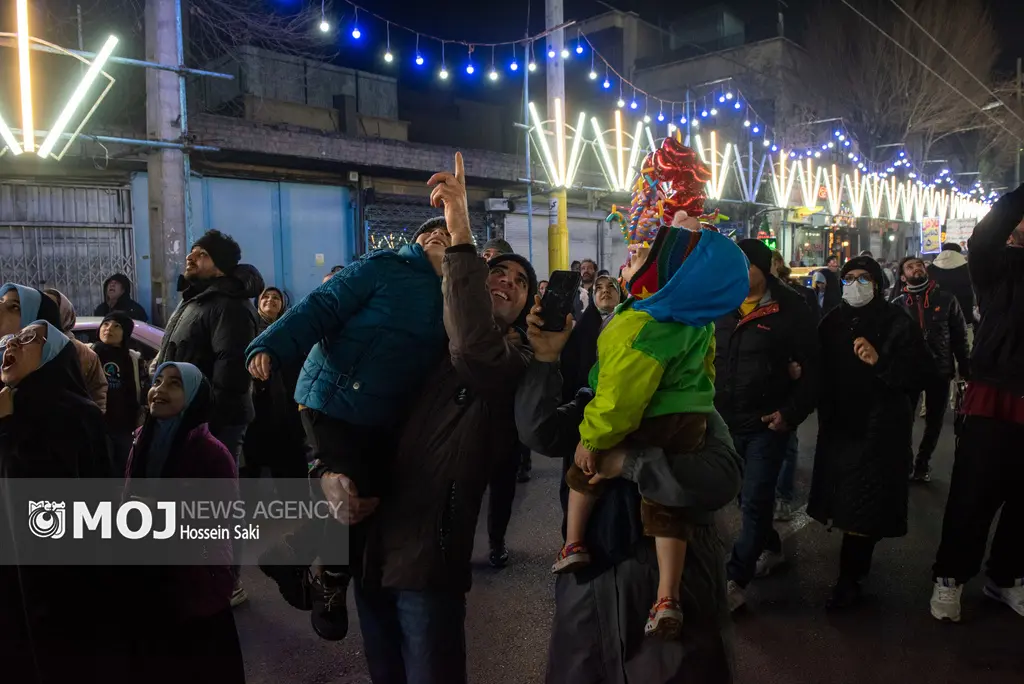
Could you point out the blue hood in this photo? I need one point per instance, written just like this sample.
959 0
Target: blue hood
711 282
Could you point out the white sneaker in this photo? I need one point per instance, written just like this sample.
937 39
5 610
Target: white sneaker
768 561
734 596
945 602
1011 596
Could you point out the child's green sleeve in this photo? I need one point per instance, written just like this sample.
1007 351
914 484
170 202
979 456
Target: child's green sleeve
627 378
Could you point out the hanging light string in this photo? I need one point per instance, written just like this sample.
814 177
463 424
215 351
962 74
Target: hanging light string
543 34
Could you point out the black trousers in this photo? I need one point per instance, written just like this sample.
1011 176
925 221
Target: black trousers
503 493
855 557
987 475
936 399
360 453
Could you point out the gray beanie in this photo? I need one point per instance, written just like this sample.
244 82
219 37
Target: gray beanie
501 245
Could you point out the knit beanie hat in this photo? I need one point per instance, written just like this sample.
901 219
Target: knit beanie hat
429 226
497 243
123 320
758 254
224 251
670 249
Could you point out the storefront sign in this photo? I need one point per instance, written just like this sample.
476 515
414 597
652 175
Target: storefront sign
959 230
931 235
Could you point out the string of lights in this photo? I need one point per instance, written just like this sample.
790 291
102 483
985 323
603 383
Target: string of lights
688 113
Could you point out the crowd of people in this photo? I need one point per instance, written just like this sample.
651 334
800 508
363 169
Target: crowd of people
412 381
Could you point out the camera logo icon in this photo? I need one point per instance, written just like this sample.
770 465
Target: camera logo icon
47 519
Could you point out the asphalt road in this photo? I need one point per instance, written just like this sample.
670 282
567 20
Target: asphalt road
784 636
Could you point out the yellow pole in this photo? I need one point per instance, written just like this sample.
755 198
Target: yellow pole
558 232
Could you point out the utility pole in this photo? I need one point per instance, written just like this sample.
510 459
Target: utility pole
166 168
558 229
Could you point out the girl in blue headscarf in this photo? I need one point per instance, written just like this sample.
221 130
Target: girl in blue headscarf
21 305
49 428
192 636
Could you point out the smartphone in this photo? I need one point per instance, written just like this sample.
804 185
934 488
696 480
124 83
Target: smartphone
557 302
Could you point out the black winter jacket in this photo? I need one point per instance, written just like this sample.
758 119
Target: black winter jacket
997 272
940 319
951 272
211 327
125 303
865 419
752 357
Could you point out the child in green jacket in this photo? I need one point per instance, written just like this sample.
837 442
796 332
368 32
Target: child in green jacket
654 385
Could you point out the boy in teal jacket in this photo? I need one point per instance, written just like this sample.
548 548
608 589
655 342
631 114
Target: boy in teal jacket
654 385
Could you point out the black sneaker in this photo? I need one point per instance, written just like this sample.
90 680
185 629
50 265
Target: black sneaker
922 473
499 555
330 614
845 595
280 564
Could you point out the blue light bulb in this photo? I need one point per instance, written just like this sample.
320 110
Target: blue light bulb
606 84
633 105
579 49
704 113
419 60
513 66
757 129
661 117
469 68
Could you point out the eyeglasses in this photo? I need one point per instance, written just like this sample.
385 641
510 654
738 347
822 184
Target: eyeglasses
863 280
20 339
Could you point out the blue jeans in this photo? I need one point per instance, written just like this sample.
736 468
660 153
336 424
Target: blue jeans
413 637
787 475
763 454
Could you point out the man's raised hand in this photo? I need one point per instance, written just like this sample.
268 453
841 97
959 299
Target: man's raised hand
450 192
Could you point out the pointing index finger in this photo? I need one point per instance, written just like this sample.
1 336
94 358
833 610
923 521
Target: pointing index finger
460 168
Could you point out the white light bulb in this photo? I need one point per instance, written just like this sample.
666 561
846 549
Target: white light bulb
443 74
647 119
493 75
593 75
621 103
388 57
324 26
533 66
565 53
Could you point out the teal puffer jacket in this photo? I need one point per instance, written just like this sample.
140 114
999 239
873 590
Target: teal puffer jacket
372 333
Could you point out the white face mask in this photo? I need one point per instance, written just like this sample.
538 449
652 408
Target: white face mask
858 294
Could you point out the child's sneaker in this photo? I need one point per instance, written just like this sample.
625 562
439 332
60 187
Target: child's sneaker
571 558
665 619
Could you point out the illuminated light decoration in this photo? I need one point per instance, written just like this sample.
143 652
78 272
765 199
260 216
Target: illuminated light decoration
903 154
650 140
831 145
493 75
419 62
746 123
469 68
714 112
719 171
579 48
593 75
324 26
647 118
620 150
532 66
833 188
551 53
704 113
545 148
855 188
565 53
824 147
443 73
75 101
808 186
661 117
728 96
721 100
695 122
356 33
846 144
817 155
621 103
607 84
838 133
388 57
737 106
604 157
633 105
8 137
631 170
767 143
775 148
28 132
781 185
757 129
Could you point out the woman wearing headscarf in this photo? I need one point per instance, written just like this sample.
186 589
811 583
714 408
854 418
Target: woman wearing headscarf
52 617
21 305
92 369
873 358
275 439
126 378
580 353
189 634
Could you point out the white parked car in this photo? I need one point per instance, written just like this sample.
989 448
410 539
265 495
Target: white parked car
146 338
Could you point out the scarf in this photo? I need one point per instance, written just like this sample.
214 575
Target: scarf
31 299
166 429
922 290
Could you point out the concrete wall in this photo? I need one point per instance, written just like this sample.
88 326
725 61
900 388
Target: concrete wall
232 134
767 72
